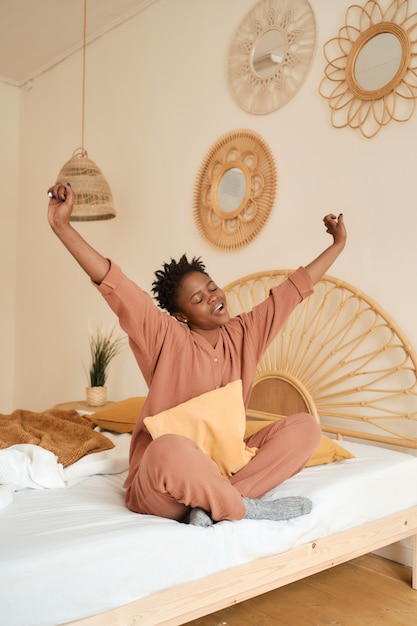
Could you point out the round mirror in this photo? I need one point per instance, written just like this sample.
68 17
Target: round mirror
235 189
269 51
271 54
378 61
231 190
370 78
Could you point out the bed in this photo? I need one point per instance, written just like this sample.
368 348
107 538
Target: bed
71 552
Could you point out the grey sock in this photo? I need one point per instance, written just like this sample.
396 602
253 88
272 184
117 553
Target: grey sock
199 517
281 509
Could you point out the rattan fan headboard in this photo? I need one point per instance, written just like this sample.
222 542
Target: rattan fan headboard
340 357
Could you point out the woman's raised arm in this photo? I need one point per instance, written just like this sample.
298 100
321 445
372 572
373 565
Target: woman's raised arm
60 207
336 228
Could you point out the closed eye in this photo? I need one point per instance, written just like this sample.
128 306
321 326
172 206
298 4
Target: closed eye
198 297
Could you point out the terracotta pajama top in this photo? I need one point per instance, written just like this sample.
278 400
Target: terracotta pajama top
177 363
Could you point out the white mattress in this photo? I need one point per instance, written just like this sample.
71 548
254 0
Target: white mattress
70 553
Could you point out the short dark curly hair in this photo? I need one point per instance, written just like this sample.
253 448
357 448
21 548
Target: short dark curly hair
168 279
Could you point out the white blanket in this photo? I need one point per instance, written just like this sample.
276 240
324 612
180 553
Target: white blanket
26 466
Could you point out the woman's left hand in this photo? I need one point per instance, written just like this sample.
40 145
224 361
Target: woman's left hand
336 228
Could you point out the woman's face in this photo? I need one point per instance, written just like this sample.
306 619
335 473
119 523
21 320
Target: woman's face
202 304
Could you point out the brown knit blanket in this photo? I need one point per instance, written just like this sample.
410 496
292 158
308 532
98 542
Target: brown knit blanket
67 434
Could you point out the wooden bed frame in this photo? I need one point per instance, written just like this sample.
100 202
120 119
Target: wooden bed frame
343 359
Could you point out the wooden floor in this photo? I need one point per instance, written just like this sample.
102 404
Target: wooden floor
368 591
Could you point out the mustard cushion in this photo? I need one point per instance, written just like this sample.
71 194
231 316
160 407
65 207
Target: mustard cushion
215 421
119 417
327 451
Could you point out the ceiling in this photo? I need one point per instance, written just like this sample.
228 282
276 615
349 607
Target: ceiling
37 34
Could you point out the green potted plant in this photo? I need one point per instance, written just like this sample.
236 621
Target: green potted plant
104 346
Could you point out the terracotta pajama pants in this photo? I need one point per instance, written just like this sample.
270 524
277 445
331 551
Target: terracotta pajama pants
175 475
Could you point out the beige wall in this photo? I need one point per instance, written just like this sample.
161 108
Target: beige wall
9 133
157 98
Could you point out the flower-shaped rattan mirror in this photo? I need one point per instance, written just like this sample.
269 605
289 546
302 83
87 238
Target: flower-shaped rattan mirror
371 73
235 189
271 54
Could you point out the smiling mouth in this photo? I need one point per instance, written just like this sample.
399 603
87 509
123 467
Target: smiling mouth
218 308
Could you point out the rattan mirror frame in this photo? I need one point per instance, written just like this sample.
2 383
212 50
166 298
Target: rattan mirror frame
295 21
351 104
245 150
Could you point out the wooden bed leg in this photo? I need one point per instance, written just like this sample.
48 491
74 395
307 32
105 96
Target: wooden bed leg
414 573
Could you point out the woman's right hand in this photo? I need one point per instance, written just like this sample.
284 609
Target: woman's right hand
61 203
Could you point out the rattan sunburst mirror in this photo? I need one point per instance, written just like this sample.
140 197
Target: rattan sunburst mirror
271 54
235 189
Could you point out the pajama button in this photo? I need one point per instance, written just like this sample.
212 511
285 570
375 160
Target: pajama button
215 359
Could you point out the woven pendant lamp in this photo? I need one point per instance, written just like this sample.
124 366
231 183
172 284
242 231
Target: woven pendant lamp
93 197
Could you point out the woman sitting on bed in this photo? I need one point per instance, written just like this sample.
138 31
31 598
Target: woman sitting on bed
195 349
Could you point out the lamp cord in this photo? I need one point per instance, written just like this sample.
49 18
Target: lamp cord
83 81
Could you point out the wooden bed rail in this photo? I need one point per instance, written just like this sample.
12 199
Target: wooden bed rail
182 603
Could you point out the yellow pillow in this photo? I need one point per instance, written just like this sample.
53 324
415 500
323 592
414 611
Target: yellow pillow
215 421
119 417
327 451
